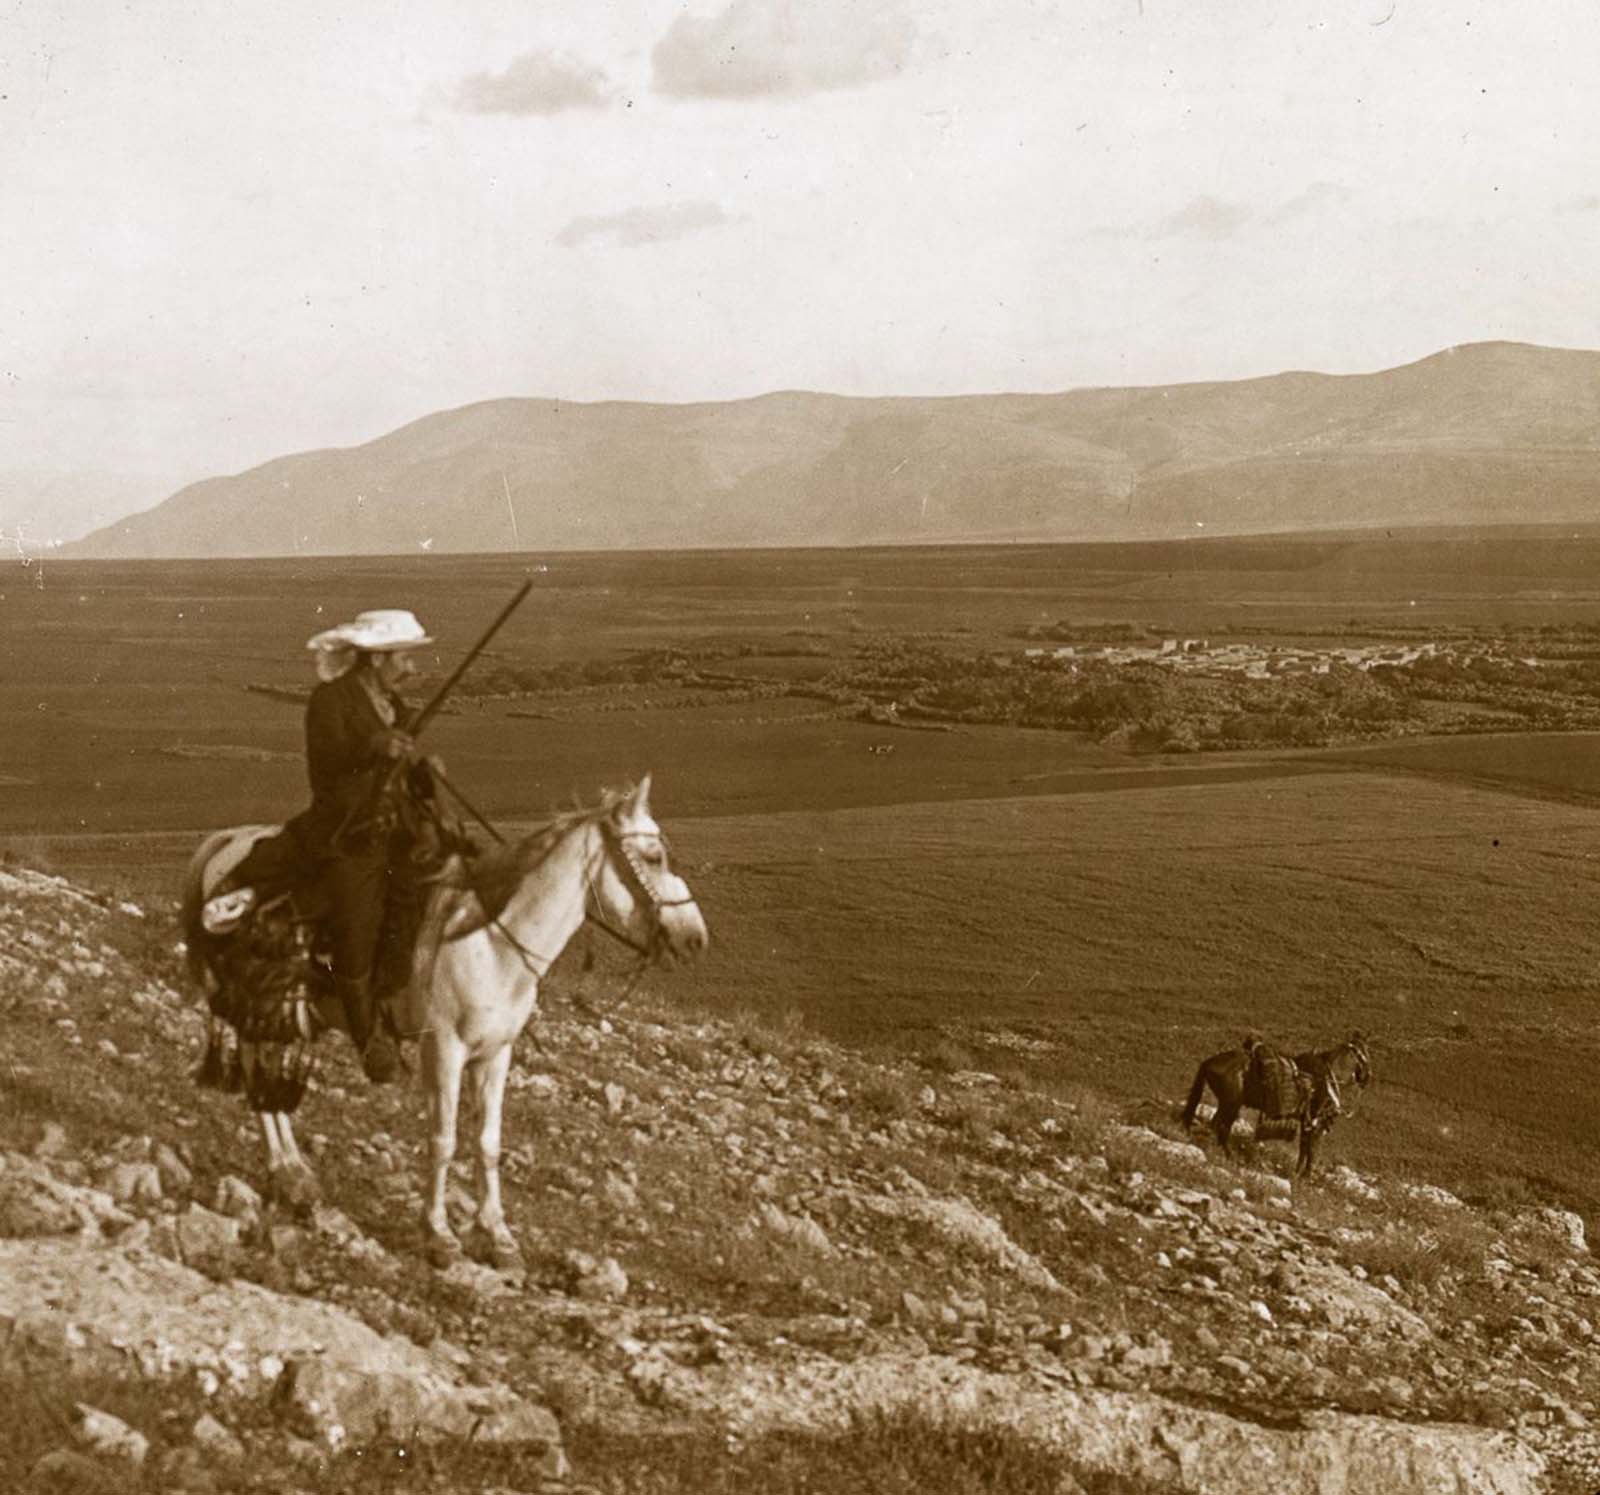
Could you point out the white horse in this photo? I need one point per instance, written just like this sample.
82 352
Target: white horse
488 937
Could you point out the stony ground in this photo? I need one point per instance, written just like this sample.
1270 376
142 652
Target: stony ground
737 1236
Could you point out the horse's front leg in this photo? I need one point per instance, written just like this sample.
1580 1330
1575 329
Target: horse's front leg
493 1236
291 1181
442 1059
1222 1122
1309 1136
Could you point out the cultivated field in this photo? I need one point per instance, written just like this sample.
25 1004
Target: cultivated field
1008 899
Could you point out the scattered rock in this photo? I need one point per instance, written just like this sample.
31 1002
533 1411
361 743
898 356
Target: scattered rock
108 1436
600 1280
1149 1440
801 1229
133 1183
961 1222
65 1472
335 1402
207 1240
236 1199
915 1310
26 1209
1431 1194
1341 1301
483 1282
186 1468
176 1177
35 1202
212 1436
103 1310
1559 1224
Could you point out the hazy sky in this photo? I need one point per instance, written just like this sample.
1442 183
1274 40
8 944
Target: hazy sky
232 232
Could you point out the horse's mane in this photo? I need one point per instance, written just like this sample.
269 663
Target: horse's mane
494 875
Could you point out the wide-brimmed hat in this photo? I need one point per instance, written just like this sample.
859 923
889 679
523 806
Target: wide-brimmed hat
383 630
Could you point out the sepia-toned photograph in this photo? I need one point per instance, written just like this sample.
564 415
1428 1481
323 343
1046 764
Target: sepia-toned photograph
798 746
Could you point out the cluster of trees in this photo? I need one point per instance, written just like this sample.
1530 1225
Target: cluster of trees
1065 631
645 667
1553 695
1152 708
1145 706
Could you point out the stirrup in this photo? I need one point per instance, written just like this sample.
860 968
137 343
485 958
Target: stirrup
380 1057
223 914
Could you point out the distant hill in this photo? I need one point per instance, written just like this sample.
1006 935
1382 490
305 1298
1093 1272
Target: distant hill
1487 433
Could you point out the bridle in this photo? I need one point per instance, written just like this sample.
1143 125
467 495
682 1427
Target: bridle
1360 1076
616 848
1327 1105
618 843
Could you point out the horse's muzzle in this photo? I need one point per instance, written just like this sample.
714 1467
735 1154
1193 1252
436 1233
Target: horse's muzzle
682 935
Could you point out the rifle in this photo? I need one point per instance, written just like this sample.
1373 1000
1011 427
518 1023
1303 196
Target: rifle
386 782
423 717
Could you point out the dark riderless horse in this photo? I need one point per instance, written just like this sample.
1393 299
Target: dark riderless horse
1306 1091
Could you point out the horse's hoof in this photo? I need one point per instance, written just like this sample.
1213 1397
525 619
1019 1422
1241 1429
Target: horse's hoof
295 1188
498 1251
442 1250
507 1257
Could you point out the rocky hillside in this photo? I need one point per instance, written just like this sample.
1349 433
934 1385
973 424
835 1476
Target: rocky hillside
1489 433
755 1261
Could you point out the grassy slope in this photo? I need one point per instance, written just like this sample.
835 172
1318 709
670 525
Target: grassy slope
657 1134
1115 939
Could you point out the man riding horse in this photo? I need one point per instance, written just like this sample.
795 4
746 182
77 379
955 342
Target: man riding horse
369 825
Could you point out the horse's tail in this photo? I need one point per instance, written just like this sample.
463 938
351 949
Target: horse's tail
1197 1092
220 1066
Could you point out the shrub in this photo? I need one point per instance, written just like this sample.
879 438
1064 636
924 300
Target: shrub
882 1453
947 1057
887 1097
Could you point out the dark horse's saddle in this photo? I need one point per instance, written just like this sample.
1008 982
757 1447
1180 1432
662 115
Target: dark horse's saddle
1282 1091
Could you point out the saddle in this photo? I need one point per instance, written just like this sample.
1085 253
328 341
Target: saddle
253 871
262 900
1285 1091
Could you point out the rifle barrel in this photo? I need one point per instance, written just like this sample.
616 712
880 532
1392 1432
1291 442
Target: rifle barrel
422 718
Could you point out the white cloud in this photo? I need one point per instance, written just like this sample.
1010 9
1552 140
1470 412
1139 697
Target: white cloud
1212 219
1206 217
638 226
1319 196
757 47
535 83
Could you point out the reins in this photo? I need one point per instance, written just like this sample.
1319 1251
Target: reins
614 845
1363 1061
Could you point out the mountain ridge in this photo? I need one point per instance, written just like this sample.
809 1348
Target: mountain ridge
1486 433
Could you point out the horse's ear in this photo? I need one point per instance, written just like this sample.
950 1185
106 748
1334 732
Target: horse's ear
640 798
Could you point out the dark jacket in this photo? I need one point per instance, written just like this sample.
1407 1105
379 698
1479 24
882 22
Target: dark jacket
346 767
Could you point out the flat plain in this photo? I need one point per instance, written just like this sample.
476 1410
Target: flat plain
1028 902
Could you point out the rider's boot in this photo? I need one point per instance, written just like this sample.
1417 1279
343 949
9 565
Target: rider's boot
380 1060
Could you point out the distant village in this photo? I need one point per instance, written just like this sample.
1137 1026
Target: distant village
1253 661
